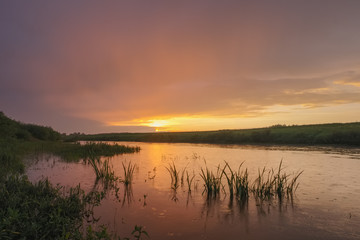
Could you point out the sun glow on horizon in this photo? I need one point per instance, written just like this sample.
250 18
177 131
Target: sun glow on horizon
156 123
277 114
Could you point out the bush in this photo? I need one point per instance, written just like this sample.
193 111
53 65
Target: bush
39 211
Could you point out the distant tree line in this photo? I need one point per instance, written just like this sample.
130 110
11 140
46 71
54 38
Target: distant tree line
318 134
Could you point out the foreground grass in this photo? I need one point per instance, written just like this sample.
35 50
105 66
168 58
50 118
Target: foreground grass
44 211
40 211
336 133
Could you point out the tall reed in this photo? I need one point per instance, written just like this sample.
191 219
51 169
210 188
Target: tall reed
293 185
174 174
189 180
128 173
275 184
263 185
212 182
230 178
102 170
241 184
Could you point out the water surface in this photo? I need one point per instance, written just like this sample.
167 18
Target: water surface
325 206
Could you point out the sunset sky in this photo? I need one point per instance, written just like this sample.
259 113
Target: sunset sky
139 66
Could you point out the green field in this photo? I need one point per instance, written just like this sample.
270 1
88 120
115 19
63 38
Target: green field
318 134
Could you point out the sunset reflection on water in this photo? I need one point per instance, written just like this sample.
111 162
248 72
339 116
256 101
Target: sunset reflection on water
324 206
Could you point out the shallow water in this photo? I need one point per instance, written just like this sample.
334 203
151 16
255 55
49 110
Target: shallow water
325 206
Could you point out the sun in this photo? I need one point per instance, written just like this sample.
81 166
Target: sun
157 123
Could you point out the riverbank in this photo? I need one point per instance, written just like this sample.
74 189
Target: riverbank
42 210
346 134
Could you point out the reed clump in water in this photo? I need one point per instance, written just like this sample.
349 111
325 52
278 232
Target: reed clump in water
103 170
212 181
230 178
241 184
270 183
238 183
189 180
174 174
263 186
128 173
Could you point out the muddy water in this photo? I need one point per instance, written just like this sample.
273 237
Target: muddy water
326 204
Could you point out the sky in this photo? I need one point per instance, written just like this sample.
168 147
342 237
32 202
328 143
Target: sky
144 66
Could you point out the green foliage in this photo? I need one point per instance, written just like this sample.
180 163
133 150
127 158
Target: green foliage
43 211
138 232
103 170
77 151
189 180
336 133
10 161
39 211
11 129
212 181
128 173
242 184
42 133
174 174
270 183
237 181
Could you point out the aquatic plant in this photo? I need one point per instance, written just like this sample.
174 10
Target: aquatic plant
237 181
241 184
230 178
128 173
102 170
182 174
189 180
275 184
293 185
138 232
174 174
280 182
263 186
212 182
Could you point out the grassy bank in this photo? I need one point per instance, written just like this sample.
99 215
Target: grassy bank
320 134
41 210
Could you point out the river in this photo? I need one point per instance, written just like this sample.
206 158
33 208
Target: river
325 205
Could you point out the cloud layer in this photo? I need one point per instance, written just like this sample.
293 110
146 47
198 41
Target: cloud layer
83 65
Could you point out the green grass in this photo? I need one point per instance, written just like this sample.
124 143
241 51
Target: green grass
10 162
241 184
174 174
40 210
316 134
189 180
103 170
230 178
128 173
263 186
212 181
77 151
43 211
270 183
